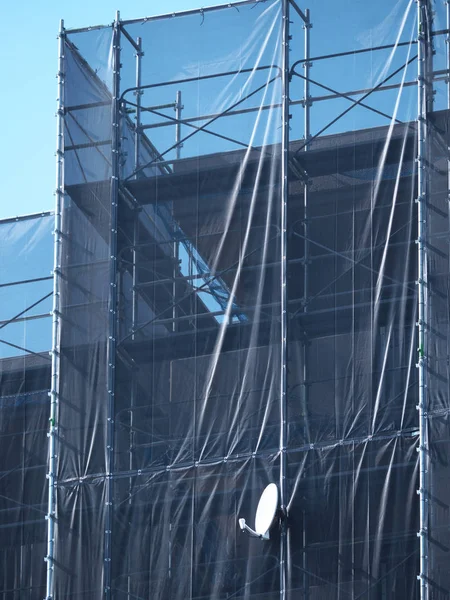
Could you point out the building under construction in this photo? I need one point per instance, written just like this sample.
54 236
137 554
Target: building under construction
245 281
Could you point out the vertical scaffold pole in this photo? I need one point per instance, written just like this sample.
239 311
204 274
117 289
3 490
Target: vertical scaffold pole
55 379
176 256
307 132
423 83
138 93
133 396
447 41
137 163
178 108
284 295
112 305
307 128
134 274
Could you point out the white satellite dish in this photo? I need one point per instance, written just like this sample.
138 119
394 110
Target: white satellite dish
265 513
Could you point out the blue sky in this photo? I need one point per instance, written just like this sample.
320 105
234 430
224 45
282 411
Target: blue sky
28 63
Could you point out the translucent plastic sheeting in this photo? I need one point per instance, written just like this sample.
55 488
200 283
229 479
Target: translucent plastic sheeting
219 247
26 285
437 315
86 223
190 376
25 298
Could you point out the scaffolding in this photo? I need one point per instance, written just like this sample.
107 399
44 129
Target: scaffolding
26 292
250 284
164 280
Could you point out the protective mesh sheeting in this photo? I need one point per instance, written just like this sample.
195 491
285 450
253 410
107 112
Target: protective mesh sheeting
25 290
197 415
84 319
195 403
200 334
26 250
353 382
437 351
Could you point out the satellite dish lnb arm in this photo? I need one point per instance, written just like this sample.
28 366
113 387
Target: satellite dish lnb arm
244 527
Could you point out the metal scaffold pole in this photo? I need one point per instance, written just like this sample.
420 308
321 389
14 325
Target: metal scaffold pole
138 93
178 109
307 127
137 163
307 134
112 307
134 274
447 41
284 295
423 85
55 379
